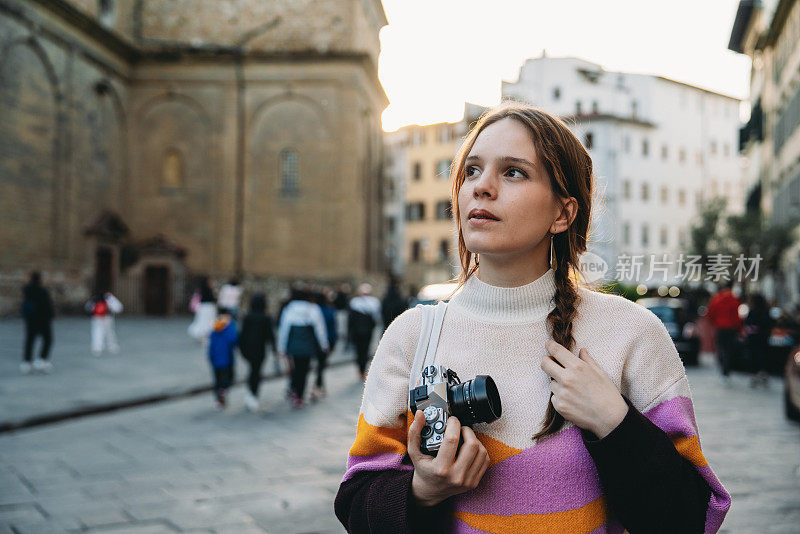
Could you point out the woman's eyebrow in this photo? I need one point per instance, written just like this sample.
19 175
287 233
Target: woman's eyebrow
503 159
512 159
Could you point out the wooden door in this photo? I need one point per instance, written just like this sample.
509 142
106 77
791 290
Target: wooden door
156 290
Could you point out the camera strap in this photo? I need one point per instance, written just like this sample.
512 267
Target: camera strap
432 319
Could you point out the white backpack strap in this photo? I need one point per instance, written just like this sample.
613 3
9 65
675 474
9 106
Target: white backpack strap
432 319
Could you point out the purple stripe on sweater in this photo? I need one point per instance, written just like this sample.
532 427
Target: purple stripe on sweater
720 501
555 475
459 527
676 417
376 462
558 473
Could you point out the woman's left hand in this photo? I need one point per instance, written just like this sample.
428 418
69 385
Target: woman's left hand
583 393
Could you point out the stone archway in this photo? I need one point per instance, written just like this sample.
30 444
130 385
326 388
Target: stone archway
29 155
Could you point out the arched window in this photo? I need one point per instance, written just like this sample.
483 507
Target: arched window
172 170
289 173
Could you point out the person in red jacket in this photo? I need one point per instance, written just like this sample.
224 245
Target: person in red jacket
723 313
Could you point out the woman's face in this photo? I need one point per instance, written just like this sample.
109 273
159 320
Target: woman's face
503 175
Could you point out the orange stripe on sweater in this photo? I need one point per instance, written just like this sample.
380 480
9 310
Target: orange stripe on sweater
689 448
583 519
371 439
498 451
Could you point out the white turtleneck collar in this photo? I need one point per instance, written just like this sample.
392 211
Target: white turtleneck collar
505 305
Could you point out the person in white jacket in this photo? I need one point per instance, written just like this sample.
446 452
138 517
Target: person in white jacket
103 308
301 333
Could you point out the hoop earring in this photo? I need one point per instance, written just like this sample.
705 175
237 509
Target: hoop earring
553 264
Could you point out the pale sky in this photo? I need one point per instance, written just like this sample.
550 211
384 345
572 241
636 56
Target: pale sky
437 54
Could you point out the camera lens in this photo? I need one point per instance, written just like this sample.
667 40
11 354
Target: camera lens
475 401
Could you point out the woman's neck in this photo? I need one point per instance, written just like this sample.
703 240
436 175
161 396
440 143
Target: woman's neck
511 272
507 304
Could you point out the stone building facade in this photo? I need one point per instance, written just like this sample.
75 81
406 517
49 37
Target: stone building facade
660 149
146 141
420 233
769 33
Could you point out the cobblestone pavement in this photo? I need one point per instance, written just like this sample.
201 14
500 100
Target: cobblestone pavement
753 449
157 358
180 466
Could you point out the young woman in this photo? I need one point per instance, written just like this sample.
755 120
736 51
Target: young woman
597 432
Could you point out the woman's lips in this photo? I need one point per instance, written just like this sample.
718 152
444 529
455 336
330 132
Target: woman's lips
479 223
482 213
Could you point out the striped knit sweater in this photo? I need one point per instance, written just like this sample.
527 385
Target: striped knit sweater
647 472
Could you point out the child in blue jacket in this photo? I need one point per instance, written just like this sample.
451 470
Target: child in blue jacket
221 343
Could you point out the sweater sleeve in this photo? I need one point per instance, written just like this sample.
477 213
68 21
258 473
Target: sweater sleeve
381 502
652 465
650 486
375 493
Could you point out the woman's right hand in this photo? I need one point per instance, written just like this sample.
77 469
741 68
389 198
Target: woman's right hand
437 478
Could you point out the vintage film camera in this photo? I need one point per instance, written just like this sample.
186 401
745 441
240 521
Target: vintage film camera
442 394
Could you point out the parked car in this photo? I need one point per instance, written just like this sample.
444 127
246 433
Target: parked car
679 320
791 385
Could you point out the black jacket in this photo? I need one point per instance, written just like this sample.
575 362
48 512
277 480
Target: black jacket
257 332
37 306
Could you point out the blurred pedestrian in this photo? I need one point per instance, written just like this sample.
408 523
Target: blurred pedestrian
221 343
37 311
102 307
115 307
205 311
325 302
229 296
301 334
365 315
257 332
342 296
340 303
393 303
723 313
757 327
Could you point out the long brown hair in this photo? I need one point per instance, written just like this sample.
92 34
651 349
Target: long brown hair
569 168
